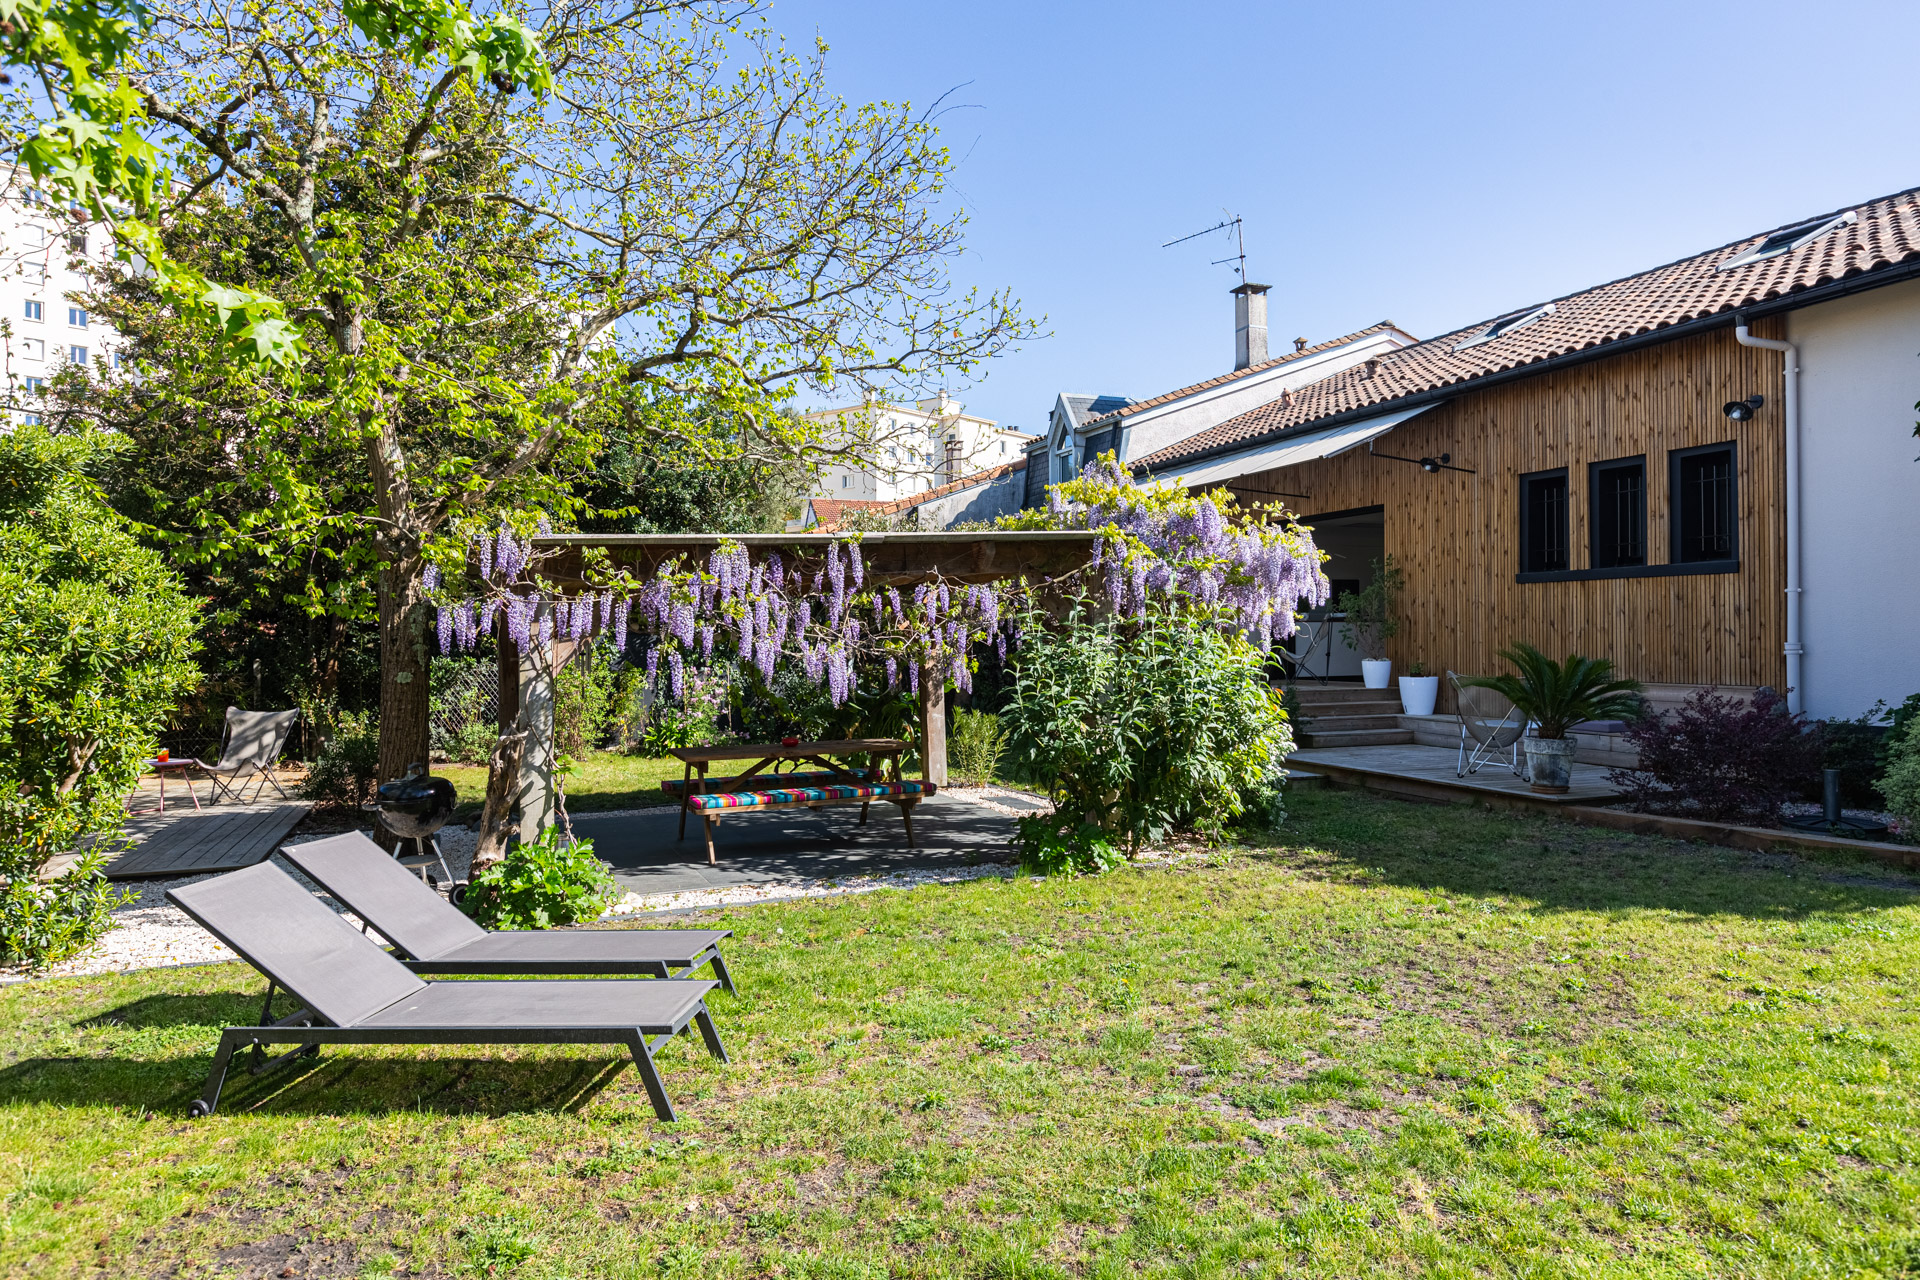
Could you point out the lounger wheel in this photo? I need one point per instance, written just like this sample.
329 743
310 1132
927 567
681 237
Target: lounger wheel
199 1110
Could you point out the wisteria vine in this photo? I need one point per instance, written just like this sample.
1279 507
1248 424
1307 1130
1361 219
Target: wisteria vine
1159 549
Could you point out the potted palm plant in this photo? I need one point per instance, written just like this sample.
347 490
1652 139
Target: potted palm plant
1555 696
1373 618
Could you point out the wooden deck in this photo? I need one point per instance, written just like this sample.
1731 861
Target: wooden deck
1427 773
185 842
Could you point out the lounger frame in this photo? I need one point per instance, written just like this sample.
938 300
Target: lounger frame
300 1029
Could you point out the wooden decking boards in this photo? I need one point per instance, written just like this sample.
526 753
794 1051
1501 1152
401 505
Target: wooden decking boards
1428 773
220 838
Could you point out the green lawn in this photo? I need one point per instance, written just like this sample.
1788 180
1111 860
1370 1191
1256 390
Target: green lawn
1408 1040
604 780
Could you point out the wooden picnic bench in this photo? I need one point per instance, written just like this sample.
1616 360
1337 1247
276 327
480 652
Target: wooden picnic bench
827 783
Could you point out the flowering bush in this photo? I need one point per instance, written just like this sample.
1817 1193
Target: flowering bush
1146 725
96 645
1718 759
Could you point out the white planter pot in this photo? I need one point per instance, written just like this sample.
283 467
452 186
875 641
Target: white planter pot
1418 694
1376 672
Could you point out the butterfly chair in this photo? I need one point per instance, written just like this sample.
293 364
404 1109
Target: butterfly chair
251 743
1491 724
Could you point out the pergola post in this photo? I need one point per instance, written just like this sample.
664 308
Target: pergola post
933 726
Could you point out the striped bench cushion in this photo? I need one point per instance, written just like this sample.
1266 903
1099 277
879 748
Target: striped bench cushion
807 795
799 778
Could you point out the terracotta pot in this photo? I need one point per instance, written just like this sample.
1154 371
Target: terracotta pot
1549 764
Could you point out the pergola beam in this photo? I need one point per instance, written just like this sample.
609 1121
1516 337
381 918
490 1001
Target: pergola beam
890 559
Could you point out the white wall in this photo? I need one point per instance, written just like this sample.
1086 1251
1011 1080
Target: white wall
1859 499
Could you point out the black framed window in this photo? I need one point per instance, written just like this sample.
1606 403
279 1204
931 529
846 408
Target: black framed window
1705 513
1543 521
1617 513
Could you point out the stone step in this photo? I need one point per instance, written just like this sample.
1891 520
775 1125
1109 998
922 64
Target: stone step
1358 738
1305 694
1320 711
1343 723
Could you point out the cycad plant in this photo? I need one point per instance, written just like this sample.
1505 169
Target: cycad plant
1558 695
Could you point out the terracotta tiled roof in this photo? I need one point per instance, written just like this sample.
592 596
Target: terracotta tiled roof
1885 235
828 512
1128 411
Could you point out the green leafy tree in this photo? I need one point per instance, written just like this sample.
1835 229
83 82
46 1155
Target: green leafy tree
717 225
96 644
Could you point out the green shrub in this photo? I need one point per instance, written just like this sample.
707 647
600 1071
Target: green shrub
583 701
1053 846
1140 728
347 766
540 884
692 719
976 744
1901 782
96 645
45 923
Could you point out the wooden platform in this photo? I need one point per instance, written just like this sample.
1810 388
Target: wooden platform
1427 773
219 838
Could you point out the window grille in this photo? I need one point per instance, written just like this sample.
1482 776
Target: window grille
1619 513
1543 520
1705 516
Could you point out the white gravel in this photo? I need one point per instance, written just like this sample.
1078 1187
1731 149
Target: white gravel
153 933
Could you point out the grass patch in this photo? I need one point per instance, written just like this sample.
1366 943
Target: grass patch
603 781
1356 1052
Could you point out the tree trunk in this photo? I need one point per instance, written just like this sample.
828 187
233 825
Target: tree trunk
503 785
404 628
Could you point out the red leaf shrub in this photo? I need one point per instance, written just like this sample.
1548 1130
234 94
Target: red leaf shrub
1720 759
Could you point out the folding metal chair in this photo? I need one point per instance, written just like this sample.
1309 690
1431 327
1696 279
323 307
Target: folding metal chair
1491 723
249 746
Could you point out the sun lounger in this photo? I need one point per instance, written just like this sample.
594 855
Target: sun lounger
355 993
431 935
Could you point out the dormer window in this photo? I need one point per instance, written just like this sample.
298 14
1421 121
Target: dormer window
1507 324
1787 239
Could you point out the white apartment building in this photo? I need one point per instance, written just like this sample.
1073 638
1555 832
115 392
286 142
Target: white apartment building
896 451
44 259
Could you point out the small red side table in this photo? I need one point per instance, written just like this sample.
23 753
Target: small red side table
174 765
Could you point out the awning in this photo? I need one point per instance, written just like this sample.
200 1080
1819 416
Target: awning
1292 450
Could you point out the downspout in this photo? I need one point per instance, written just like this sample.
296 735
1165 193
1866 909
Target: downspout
1792 648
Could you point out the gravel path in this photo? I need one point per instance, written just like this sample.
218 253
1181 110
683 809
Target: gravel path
153 933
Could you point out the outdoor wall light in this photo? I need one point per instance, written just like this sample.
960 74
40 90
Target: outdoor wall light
1431 465
1742 410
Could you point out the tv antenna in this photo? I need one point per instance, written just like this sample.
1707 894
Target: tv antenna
1232 223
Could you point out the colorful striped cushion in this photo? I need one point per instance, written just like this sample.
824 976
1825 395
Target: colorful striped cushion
799 778
802 795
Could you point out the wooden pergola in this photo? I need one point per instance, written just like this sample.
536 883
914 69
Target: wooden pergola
891 559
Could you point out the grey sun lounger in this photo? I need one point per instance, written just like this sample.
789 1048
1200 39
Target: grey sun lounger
355 993
431 935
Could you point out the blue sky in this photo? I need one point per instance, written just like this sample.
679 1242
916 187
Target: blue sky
1428 164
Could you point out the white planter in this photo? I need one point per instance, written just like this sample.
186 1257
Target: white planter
1418 694
1376 672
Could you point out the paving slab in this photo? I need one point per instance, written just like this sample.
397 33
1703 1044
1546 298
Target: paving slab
774 845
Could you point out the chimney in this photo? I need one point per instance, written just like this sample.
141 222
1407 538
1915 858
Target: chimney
1299 345
1249 325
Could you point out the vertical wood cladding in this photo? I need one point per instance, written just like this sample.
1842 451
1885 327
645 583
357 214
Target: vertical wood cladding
1458 536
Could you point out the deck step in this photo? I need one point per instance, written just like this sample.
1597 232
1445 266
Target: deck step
1342 723
1357 738
1308 694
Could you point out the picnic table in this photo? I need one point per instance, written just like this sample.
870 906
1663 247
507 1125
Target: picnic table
761 785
